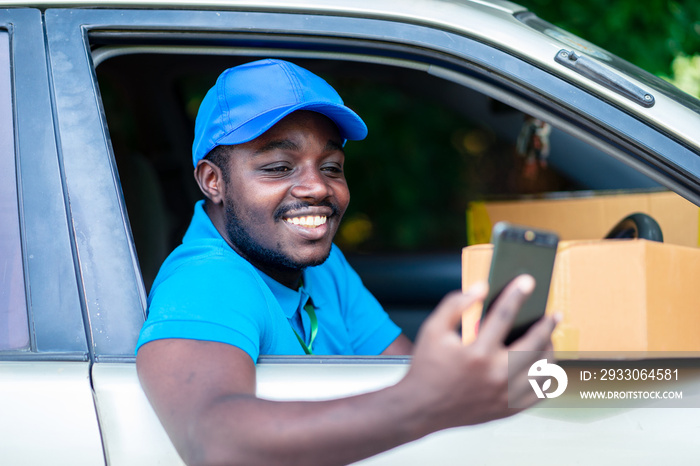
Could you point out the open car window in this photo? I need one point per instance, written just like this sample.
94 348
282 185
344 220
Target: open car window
436 148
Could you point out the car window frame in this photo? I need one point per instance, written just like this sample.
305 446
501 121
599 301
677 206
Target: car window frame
55 317
116 313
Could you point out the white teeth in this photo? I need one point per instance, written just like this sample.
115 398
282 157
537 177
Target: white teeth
308 221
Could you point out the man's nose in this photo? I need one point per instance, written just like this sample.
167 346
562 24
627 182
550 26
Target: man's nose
312 184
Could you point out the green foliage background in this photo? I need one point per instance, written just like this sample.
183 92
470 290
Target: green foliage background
648 33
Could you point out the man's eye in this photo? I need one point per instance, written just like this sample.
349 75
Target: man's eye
335 169
276 169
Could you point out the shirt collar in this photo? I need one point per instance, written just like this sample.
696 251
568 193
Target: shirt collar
289 300
201 226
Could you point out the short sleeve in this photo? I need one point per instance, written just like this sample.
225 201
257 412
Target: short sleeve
210 300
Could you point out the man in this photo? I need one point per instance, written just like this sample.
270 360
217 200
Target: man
257 274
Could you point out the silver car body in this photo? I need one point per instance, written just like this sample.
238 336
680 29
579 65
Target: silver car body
72 397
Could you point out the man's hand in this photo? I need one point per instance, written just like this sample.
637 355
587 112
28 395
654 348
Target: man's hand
462 385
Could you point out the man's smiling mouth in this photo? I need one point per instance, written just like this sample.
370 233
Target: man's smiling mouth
308 221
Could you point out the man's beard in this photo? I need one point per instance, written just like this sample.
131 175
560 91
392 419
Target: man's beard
256 253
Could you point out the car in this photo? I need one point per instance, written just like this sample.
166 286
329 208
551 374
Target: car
96 109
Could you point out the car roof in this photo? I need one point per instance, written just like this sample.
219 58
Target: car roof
359 5
495 22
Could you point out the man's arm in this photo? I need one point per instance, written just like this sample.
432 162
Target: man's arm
399 347
204 393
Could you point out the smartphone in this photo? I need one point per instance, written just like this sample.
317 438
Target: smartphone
521 250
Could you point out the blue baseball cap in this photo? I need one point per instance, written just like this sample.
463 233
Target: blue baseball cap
249 99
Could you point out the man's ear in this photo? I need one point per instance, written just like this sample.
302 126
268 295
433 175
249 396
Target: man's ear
210 181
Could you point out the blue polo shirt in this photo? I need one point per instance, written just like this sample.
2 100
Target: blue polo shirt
206 291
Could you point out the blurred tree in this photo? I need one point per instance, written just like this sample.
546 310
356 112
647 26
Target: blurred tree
649 34
686 74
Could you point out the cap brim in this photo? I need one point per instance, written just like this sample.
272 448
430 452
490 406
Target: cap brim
348 122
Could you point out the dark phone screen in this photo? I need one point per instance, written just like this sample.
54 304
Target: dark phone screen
514 254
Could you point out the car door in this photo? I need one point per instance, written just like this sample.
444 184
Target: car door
48 414
111 288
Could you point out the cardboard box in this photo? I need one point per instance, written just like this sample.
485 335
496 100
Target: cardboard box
588 217
615 295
